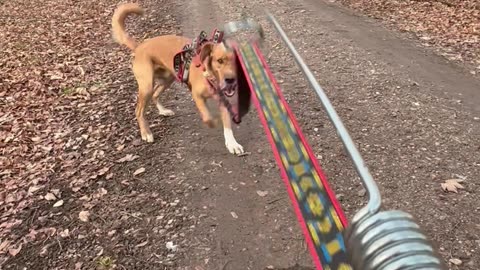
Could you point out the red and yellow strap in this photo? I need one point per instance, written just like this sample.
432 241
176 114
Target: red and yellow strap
316 207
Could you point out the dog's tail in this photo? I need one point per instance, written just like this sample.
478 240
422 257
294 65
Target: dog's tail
118 24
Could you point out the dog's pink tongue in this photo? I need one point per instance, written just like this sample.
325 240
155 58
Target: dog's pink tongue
235 115
231 93
236 119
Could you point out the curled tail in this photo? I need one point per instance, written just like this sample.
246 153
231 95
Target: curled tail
118 24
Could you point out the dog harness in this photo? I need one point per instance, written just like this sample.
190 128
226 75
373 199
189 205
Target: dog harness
191 53
183 59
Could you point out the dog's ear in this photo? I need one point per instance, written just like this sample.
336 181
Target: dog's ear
206 52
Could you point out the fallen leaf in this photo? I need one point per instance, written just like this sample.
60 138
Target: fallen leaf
170 246
262 193
137 142
102 191
219 164
78 266
455 261
85 198
109 176
4 245
362 192
234 215
84 215
139 171
65 233
10 224
11 198
14 251
142 244
32 235
82 91
103 171
452 185
44 250
47 148
128 157
58 204
33 189
88 205
48 231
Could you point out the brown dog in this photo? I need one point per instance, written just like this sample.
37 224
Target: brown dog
153 61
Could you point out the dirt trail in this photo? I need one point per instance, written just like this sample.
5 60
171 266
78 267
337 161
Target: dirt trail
414 115
237 228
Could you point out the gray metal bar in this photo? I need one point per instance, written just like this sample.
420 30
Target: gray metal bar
374 203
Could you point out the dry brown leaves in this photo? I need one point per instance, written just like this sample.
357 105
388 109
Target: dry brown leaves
453 25
57 67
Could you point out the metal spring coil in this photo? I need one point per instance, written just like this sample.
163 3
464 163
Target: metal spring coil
390 240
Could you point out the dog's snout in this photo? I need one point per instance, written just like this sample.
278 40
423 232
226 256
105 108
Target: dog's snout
230 81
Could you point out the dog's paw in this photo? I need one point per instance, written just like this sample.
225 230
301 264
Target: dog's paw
148 137
211 123
234 147
166 112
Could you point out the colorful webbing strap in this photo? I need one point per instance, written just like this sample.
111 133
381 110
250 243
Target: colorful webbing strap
316 207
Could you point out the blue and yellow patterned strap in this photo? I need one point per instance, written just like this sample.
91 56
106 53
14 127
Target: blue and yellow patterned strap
317 209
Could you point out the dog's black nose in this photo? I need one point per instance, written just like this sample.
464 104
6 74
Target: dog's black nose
230 81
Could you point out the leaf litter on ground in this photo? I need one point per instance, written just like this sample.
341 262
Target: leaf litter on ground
449 25
63 90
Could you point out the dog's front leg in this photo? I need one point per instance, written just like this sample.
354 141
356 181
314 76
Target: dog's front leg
230 142
202 108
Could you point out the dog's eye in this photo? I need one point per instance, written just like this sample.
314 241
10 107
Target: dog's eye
220 61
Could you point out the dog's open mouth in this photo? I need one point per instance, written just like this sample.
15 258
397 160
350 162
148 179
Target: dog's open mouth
230 90
229 94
